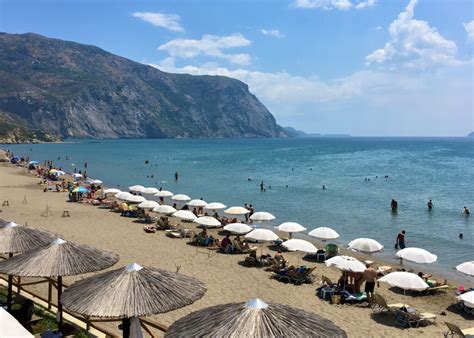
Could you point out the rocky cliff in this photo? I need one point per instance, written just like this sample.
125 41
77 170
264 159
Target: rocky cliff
66 89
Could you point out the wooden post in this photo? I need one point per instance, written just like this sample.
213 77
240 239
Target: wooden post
60 306
18 285
50 293
126 327
10 289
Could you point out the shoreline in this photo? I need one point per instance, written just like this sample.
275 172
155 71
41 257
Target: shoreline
219 272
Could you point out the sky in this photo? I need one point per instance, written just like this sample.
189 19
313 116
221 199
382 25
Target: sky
360 67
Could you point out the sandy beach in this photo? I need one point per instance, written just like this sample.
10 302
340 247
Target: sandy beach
226 280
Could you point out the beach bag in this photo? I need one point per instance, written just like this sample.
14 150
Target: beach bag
336 299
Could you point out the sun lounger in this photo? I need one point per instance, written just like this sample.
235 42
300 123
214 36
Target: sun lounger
353 297
379 305
437 288
454 330
414 318
297 277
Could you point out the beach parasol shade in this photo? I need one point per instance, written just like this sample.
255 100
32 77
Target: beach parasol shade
467 298
10 327
238 228
324 233
136 188
132 291
299 245
262 216
417 255
123 195
16 238
112 191
184 214
150 191
148 205
164 193
346 263
57 259
197 203
253 319
208 221
466 268
290 227
96 182
236 211
405 280
81 190
262 235
164 209
215 206
181 197
77 175
135 199
366 245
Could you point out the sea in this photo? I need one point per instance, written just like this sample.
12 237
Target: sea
361 176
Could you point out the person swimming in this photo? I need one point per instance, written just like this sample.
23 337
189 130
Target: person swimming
461 236
466 211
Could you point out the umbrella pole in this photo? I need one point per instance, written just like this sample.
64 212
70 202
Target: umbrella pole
60 306
10 289
126 327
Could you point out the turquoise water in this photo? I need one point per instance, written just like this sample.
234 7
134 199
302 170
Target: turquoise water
419 169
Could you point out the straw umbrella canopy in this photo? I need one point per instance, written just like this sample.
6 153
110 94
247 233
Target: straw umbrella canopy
262 216
208 221
324 233
16 238
57 259
238 228
253 319
417 255
132 291
215 206
365 245
164 209
466 268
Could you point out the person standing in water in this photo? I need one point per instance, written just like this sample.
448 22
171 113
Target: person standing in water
262 186
176 176
400 241
394 205
430 205
466 211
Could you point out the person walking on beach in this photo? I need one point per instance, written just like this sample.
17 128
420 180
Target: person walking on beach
400 241
370 277
176 176
430 205
394 205
466 211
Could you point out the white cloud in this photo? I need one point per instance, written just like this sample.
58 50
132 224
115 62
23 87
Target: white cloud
209 45
414 44
469 27
168 21
334 4
379 28
272 32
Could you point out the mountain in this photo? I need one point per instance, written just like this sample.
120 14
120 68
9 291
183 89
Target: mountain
471 134
292 132
65 89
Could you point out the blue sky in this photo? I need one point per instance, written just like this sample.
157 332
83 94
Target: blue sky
364 67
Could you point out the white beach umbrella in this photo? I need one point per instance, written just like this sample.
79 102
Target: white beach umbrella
290 227
150 191
136 188
366 245
10 327
238 228
185 214
135 199
405 280
324 233
164 209
148 205
123 195
236 211
164 193
96 182
466 268
77 175
299 245
262 216
181 197
112 191
417 255
346 263
262 235
215 206
467 298
59 173
197 203
208 221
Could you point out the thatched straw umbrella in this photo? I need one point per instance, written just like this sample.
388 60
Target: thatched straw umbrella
16 238
132 291
253 319
57 259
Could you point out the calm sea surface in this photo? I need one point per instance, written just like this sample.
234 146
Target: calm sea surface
230 171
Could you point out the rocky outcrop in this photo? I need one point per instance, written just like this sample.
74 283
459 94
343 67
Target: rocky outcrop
66 89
